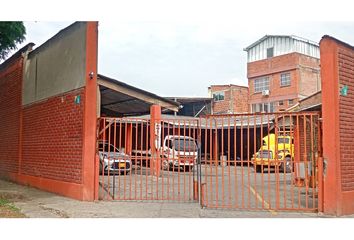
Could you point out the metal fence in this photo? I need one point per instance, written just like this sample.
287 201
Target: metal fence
245 161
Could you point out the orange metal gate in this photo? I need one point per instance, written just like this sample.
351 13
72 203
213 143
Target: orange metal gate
261 161
245 161
140 160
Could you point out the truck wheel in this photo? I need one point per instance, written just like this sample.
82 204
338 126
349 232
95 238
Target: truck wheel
287 166
165 165
258 168
188 168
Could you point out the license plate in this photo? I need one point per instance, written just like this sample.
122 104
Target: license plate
121 165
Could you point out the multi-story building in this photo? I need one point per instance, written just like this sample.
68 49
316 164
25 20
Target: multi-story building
281 70
228 99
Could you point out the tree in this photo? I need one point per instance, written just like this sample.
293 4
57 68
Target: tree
11 34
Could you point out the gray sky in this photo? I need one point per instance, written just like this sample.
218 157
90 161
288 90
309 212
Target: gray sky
184 54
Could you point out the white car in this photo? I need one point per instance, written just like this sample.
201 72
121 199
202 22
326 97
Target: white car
112 161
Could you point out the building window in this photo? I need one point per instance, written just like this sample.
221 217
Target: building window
219 96
270 52
281 103
291 102
261 84
263 107
285 79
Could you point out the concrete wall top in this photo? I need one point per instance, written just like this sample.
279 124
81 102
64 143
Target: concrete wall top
57 66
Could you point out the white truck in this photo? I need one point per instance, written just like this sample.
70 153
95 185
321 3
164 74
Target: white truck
178 152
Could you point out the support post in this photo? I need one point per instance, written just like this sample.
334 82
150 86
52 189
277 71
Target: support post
155 139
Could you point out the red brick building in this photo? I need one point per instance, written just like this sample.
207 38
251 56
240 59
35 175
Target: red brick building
228 99
281 70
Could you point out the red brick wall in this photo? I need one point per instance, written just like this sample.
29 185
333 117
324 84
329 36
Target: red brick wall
337 70
234 102
346 123
10 111
304 79
52 138
280 63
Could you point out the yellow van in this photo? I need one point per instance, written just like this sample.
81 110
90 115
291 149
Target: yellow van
275 152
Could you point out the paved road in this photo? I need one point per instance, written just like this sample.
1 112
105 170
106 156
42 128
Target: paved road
238 187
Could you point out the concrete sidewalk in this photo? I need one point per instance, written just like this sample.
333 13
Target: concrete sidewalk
35 203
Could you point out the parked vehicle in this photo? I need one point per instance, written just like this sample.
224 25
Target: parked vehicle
178 152
275 152
112 160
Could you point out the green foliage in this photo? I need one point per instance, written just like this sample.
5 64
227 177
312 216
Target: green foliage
6 203
11 34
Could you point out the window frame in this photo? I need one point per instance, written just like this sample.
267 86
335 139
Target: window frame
287 80
259 87
219 93
268 51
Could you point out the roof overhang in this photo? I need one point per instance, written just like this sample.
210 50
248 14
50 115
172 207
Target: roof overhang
125 99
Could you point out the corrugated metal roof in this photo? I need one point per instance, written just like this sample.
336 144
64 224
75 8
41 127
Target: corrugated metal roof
284 36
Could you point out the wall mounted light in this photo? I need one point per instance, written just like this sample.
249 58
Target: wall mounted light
91 75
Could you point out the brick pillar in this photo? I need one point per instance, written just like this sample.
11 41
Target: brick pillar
90 115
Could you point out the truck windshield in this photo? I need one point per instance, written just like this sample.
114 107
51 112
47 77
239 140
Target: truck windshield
187 145
283 140
107 148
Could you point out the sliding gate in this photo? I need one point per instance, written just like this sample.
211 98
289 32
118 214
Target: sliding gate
140 160
246 161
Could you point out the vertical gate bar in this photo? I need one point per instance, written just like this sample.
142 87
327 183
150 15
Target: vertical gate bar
320 166
284 164
135 157
148 158
103 152
205 158
228 160
217 164
254 151
242 170
235 157
212 160
268 167
292 161
109 159
222 164
262 170
141 158
156 163
168 162
163 157
128 151
313 168
275 155
184 159
152 163
179 164
192 168
115 145
306 162
299 157
125 149
248 162
120 147
199 165
173 167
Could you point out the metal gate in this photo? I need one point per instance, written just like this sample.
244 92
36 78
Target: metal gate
140 160
261 161
246 161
